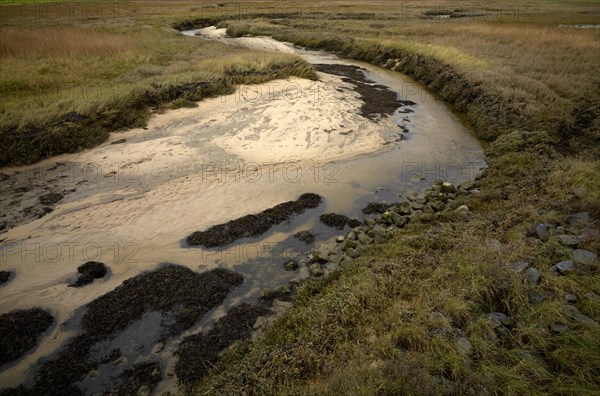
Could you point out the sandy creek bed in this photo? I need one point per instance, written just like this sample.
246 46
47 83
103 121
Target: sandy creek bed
130 205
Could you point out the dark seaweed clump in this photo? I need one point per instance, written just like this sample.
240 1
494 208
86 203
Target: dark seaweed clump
161 290
254 224
377 207
131 380
5 276
199 352
88 272
378 100
305 236
173 289
20 331
338 221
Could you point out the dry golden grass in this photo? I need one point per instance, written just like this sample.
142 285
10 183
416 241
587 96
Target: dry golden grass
67 42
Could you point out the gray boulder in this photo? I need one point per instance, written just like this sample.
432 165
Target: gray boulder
541 232
533 276
581 256
569 240
519 266
577 316
498 319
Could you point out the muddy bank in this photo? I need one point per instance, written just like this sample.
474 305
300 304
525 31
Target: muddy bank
179 294
254 224
199 352
378 100
20 331
141 379
28 196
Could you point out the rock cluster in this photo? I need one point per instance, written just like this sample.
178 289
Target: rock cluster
442 200
580 263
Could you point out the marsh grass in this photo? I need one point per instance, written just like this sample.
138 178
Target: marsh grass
64 88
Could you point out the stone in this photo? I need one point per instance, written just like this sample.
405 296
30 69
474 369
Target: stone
558 328
437 316
581 256
448 187
387 217
541 232
290 265
315 270
498 319
564 267
464 345
560 230
437 206
412 196
589 235
370 223
416 206
569 240
580 218
158 347
349 244
463 209
570 298
340 238
143 391
365 239
398 220
535 297
320 255
403 209
519 266
574 313
335 259
352 235
468 185
592 296
580 192
352 253
533 276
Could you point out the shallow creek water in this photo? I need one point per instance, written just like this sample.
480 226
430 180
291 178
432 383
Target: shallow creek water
130 205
